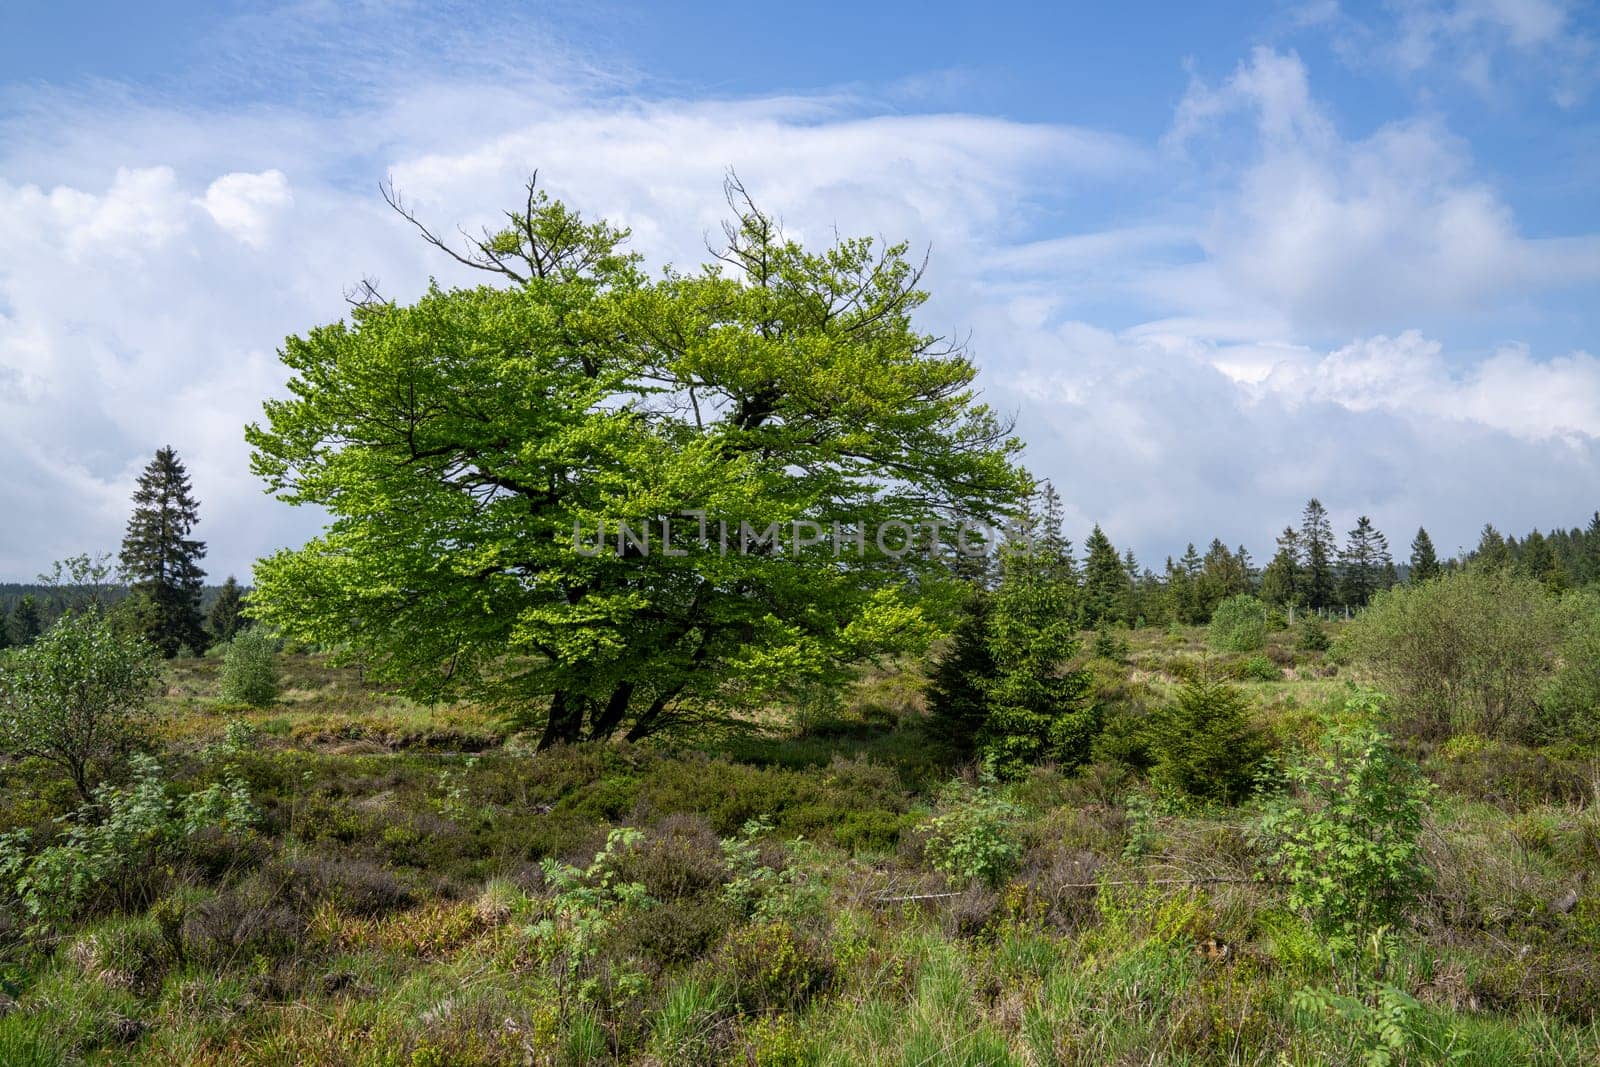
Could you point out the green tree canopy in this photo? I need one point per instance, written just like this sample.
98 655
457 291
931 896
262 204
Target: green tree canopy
460 442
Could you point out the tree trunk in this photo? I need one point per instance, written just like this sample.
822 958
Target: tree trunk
605 724
647 721
565 724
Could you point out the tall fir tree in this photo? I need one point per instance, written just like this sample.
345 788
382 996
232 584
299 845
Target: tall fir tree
1133 590
1363 564
1222 575
225 618
1589 551
958 701
1105 582
1316 539
1424 560
1280 582
1492 554
1037 710
162 560
27 622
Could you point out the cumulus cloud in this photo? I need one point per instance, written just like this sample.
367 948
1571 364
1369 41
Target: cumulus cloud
1358 235
245 205
1170 368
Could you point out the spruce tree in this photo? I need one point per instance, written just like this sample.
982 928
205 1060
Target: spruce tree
1316 537
958 702
1222 575
1492 554
1424 561
161 560
1183 588
1133 592
1589 551
27 622
224 619
1362 564
1105 583
1538 561
1280 582
1037 709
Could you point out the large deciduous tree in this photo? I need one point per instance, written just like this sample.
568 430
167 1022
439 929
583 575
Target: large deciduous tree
162 560
459 443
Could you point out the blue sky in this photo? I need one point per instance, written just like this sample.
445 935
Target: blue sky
1217 258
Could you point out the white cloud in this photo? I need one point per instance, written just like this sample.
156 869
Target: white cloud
246 204
1356 236
141 302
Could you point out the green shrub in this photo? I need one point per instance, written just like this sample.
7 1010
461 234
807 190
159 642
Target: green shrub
1205 744
1260 669
1468 652
1347 838
973 834
774 966
249 675
1310 634
77 697
1570 699
1239 624
1110 645
115 847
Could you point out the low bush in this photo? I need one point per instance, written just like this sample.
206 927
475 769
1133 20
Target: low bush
1239 624
117 851
249 673
973 836
1347 836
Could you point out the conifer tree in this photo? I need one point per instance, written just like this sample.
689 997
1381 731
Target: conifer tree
1184 602
1424 561
225 619
1362 563
958 702
1133 590
1105 582
1280 582
1589 551
1538 561
27 622
5 628
160 558
1037 709
1493 553
1316 537
1222 575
